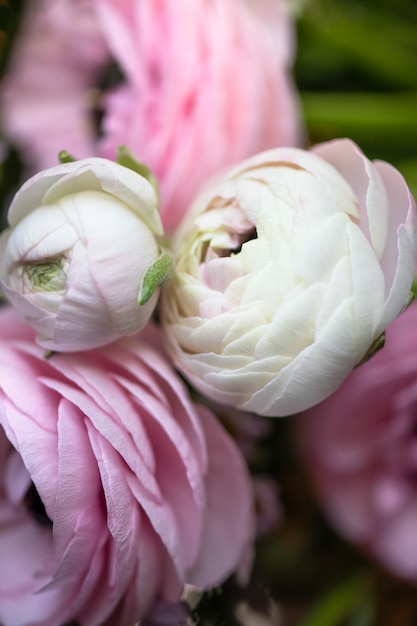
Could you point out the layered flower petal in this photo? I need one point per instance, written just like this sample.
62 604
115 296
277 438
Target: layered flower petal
287 269
116 489
82 238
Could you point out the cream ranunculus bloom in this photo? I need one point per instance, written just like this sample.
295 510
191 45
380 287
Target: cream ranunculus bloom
82 236
285 272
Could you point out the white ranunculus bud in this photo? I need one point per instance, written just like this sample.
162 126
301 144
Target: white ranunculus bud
285 272
82 237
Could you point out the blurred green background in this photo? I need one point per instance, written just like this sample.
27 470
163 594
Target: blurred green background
356 68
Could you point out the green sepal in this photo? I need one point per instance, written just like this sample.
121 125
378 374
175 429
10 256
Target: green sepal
65 157
375 346
126 158
413 293
411 297
380 341
156 275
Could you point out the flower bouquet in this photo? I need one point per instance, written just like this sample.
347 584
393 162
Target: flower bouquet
207 336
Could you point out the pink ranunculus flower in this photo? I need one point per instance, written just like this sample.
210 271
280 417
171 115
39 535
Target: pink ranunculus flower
49 87
286 270
142 490
206 83
360 448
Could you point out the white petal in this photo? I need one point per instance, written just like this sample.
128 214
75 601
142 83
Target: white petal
93 174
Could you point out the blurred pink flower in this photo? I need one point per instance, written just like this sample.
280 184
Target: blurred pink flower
206 84
360 446
142 490
48 91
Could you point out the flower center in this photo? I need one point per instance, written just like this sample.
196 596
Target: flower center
225 229
46 276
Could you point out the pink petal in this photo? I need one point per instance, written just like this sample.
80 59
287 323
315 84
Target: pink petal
229 521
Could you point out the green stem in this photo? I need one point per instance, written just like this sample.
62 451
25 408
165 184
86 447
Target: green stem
347 598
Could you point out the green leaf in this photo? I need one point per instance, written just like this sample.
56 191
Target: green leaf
348 598
156 275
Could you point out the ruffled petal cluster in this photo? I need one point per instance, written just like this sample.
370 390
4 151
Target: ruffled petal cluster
286 270
115 488
360 449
